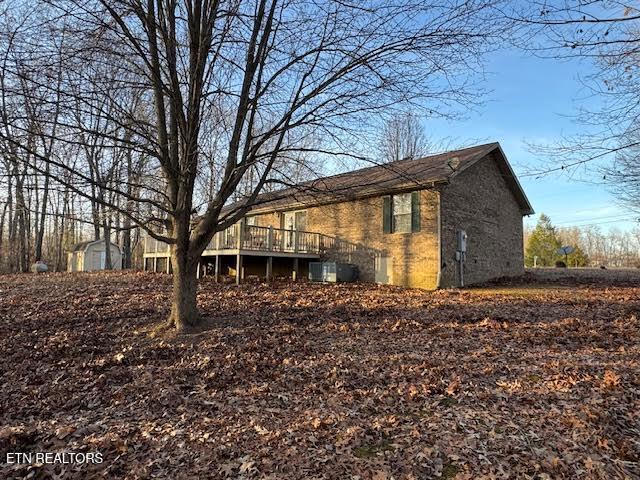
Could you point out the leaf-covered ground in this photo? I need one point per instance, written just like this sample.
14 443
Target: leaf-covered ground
321 381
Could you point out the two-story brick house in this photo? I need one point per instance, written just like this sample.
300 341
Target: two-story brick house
403 223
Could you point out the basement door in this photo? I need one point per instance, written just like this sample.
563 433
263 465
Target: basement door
382 268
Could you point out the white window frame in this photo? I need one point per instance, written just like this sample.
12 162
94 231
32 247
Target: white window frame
407 205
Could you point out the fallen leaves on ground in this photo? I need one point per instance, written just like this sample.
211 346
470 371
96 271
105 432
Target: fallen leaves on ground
321 381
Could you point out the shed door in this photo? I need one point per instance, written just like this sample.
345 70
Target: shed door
98 260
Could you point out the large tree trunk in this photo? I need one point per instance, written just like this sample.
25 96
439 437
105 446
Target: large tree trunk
184 310
95 213
108 262
43 215
21 222
126 244
2 222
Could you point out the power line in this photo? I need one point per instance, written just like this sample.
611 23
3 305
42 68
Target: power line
621 216
636 220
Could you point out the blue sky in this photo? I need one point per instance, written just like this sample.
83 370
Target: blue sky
531 101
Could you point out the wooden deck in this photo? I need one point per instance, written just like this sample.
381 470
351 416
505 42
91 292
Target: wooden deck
243 240
260 241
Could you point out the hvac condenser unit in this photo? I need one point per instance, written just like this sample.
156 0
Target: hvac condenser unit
332 272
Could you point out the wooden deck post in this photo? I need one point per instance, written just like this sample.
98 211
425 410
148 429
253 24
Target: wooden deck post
155 264
269 268
270 239
240 227
198 271
240 231
168 265
216 271
238 268
295 269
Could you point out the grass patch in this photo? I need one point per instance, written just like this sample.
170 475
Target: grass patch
370 451
450 470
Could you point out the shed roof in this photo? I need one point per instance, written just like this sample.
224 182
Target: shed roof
82 246
401 175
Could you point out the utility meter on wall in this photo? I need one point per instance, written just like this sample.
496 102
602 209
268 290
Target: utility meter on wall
462 241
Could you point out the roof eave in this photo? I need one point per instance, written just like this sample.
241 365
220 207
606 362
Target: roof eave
525 207
390 191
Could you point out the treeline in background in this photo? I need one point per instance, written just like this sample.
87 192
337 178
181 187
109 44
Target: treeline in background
592 247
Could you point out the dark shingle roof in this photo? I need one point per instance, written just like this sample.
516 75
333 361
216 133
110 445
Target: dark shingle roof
408 174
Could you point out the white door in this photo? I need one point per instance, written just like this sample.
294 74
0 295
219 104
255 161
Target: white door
294 222
103 260
289 224
383 270
97 261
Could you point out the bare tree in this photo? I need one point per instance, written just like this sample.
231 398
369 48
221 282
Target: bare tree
17 170
238 89
30 108
42 115
403 136
604 34
623 174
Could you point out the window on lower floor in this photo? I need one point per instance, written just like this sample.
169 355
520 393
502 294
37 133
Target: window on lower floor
401 213
401 205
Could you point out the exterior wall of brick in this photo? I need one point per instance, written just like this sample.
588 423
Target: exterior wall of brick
269 220
479 201
412 257
363 257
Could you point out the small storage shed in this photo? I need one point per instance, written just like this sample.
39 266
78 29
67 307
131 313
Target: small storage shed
91 255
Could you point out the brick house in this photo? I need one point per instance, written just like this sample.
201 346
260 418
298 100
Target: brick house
403 223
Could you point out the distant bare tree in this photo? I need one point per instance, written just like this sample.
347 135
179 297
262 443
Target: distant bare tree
623 174
605 34
403 136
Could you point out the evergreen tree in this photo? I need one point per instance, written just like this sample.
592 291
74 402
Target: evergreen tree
543 243
577 258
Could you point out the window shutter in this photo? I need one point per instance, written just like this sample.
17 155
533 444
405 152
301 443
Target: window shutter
386 214
415 211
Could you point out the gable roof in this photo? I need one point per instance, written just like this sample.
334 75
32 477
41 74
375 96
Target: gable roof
82 246
393 177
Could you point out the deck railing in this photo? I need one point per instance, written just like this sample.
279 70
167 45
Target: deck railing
266 239
151 245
